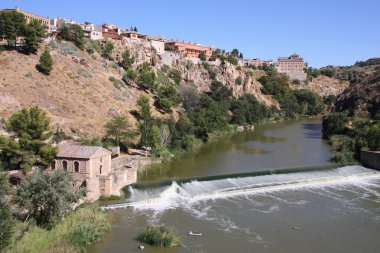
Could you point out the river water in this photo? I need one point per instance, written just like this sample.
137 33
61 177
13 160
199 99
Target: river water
331 210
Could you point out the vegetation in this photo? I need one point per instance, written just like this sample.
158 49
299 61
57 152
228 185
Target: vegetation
118 84
107 49
348 136
33 148
119 130
293 103
48 197
13 26
209 69
46 63
75 34
6 219
146 77
159 236
82 227
127 59
202 56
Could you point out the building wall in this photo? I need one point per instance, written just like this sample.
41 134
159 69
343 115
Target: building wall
158 45
190 50
292 66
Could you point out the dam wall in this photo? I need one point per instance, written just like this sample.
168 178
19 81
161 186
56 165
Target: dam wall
370 159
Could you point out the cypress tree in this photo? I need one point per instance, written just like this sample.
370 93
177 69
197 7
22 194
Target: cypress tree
46 63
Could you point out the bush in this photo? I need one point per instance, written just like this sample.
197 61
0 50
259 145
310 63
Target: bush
159 236
46 63
238 80
373 138
175 75
335 123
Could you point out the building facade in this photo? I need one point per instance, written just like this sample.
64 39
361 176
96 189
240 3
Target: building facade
91 168
92 31
188 49
293 66
29 17
257 63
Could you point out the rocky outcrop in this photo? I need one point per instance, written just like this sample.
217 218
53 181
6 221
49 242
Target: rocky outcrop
362 98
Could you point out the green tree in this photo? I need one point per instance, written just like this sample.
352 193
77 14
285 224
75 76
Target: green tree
33 36
146 122
146 78
12 27
335 123
75 34
48 197
219 91
119 129
107 50
127 59
373 137
202 55
46 63
31 127
6 219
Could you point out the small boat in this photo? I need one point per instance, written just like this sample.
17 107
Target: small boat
194 234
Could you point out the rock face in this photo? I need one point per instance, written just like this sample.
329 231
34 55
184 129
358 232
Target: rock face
324 86
362 98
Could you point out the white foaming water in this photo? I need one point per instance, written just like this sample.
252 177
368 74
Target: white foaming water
188 193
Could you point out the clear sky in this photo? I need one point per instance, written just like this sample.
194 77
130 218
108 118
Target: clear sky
324 32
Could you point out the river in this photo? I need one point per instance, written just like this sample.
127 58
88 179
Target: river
331 210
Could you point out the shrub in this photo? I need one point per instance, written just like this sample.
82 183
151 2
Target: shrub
159 236
238 80
335 123
373 138
175 75
202 55
46 63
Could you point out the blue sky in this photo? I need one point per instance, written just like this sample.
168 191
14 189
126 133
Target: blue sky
324 32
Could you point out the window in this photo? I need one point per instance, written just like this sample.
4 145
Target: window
101 159
53 165
100 169
76 166
64 164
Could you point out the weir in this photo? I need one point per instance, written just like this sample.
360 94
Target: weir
179 194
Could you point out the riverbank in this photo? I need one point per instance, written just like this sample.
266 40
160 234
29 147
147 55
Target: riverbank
82 227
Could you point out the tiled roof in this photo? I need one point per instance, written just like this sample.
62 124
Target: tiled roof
76 151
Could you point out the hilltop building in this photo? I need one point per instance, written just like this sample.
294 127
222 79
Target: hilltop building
92 31
257 63
293 66
111 31
94 169
29 17
189 50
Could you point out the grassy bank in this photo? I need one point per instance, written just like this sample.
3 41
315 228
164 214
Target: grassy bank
86 225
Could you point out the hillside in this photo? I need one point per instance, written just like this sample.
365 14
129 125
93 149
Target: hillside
362 98
80 98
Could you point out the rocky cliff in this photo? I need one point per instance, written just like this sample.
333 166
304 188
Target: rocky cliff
362 98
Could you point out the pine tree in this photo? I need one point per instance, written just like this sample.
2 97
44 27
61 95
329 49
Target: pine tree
127 59
46 63
33 36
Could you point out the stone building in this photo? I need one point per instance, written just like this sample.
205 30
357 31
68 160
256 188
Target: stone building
189 50
92 168
293 66
257 63
29 17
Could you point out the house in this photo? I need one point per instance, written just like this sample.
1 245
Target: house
189 50
92 31
257 62
29 17
92 168
293 66
59 23
158 43
133 36
111 31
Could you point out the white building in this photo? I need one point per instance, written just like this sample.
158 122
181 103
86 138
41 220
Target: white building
157 42
92 31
